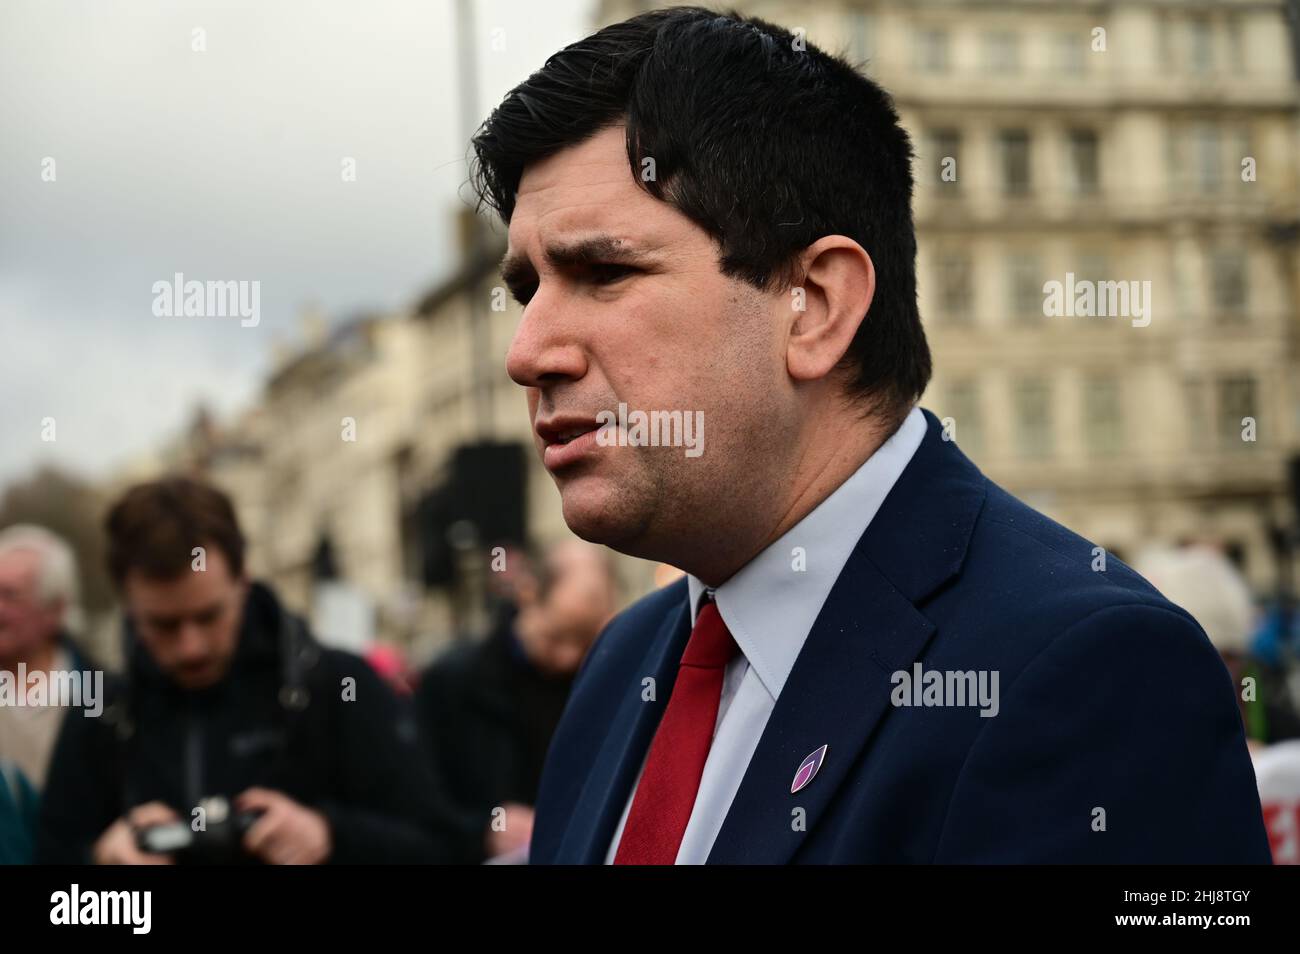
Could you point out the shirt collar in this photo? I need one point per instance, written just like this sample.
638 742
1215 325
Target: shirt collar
771 603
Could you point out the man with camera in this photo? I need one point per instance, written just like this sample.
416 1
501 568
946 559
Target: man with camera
233 736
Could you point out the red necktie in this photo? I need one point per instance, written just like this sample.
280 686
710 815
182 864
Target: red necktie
671 778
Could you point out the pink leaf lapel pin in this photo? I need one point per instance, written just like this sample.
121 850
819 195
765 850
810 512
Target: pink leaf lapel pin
807 769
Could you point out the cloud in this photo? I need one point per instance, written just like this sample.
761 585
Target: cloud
224 165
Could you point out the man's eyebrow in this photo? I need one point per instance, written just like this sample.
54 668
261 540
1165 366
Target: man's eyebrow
598 249
516 271
594 250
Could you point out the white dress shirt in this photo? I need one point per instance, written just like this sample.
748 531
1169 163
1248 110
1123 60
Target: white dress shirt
770 605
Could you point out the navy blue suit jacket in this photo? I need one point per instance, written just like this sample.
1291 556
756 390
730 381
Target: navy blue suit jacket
1111 699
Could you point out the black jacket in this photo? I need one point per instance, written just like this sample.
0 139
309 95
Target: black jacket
487 716
283 718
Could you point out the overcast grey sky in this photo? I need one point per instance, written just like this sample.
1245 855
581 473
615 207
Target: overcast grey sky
222 165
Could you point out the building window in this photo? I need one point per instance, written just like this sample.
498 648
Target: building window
1165 54
1084 166
1093 266
952 273
1232 34
1033 418
1237 554
1072 49
1239 141
1196 415
1024 287
1002 52
945 145
1237 400
1228 284
1200 45
1103 424
962 404
931 50
1014 147
1207 150
1175 167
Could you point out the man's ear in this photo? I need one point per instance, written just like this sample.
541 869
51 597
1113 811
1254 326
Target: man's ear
828 307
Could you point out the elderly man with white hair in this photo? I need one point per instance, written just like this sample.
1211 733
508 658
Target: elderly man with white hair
38 599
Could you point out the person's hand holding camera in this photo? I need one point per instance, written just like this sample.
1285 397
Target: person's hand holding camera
515 832
287 833
117 845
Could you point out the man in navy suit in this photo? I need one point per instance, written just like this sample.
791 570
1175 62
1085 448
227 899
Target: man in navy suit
877 655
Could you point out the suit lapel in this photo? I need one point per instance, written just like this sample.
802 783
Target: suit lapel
591 826
869 628
835 694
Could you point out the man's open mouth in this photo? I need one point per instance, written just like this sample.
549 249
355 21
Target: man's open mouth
564 430
571 434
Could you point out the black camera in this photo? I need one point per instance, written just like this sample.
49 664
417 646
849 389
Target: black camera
214 835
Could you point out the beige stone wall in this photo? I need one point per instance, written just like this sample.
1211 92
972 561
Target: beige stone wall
1169 72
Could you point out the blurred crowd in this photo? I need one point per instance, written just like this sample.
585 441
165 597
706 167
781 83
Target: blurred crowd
233 735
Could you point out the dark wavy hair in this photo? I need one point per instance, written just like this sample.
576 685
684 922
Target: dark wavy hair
154 527
766 143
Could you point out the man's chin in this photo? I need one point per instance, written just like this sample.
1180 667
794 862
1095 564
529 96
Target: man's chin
196 680
598 512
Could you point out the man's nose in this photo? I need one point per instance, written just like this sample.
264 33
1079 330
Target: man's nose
545 348
567 658
191 643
